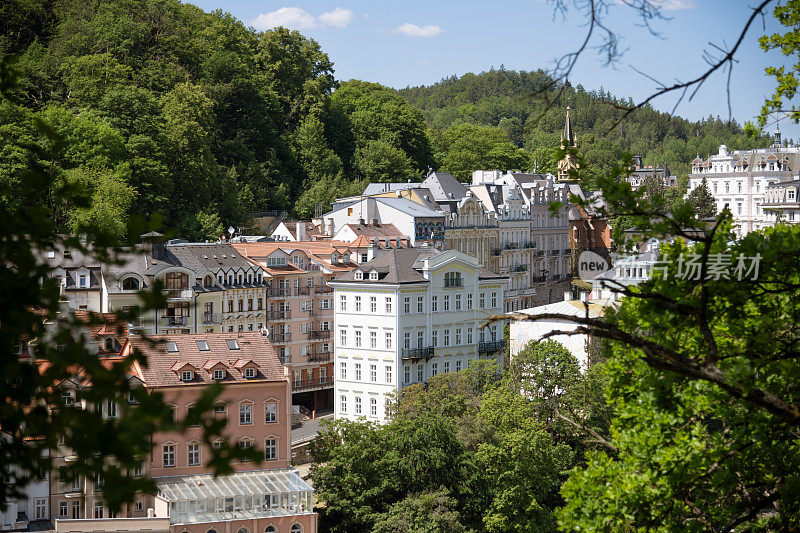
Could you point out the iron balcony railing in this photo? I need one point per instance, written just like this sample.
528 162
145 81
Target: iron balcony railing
520 268
555 252
312 384
279 292
418 353
279 315
303 291
566 251
319 357
179 294
281 337
490 347
212 318
176 320
511 246
495 251
323 289
322 334
539 278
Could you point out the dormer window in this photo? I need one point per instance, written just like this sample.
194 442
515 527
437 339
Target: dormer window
359 275
68 397
130 284
250 373
187 375
373 276
219 374
208 281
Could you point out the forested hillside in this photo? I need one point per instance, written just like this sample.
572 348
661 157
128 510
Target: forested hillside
165 109
514 104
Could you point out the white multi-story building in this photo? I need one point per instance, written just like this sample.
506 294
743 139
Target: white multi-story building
739 179
31 510
406 316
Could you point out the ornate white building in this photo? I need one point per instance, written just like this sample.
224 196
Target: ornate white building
406 316
740 179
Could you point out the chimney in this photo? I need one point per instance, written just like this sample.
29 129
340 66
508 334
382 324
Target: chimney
301 231
151 513
374 221
154 244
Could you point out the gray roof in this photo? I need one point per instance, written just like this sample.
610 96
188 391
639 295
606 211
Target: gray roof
379 188
444 187
410 207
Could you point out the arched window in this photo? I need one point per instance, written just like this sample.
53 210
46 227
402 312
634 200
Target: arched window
208 281
297 528
130 284
211 531
176 280
270 529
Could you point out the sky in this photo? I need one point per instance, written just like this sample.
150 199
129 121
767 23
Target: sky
419 42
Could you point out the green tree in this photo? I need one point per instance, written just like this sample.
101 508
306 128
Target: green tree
702 201
428 512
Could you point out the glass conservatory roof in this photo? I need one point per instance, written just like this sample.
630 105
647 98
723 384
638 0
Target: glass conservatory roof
257 483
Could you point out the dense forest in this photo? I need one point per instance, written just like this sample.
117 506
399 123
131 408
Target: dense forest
165 109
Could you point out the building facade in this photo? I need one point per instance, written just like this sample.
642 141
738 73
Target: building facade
406 316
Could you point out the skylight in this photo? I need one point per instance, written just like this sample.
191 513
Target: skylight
232 344
172 347
203 346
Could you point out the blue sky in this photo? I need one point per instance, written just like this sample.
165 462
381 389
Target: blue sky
417 42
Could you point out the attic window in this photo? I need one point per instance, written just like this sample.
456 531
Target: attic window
373 276
232 344
250 372
203 346
67 254
187 375
172 347
359 275
219 374
51 254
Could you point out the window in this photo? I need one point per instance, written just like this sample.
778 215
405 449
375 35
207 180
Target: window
220 408
388 374
446 303
434 304
482 303
187 375
447 366
270 412
296 528
446 337
169 455
194 454
469 301
68 397
420 373
420 305
271 450
373 304
219 374
63 510
358 371
407 340
232 344
434 369
343 406
358 405
342 303
111 407
373 373
373 407
373 339
406 374
388 340
270 529
343 370
245 414
342 337
469 335
82 280
388 304
458 337
452 279
40 507
130 284
458 365
98 510
358 304
359 275
250 372
358 338
435 338
494 300
240 305
407 305
171 347
420 339
203 346
458 302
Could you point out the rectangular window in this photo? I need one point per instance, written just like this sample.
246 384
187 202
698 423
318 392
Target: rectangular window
249 304
388 374
63 510
342 303
343 370
343 405
250 372
358 371
407 340
271 450
447 366
270 412
373 304
469 302
388 340
245 414
388 304
407 305
406 374
219 374
186 375
373 373
434 369
169 455
342 337
494 300
420 373
358 338
458 365
373 339
446 337
358 405
458 336
240 305
469 335
435 338
420 305
260 304
420 339
98 510
194 454
358 304
446 303
482 304
434 304
139 505
112 409
373 407
40 508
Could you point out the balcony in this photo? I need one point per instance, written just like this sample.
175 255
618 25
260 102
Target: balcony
529 244
302 291
176 321
284 314
510 246
280 292
539 278
520 268
418 353
555 252
451 284
320 357
566 251
179 294
323 289
280 337
321 335
490 347
311 384
212 318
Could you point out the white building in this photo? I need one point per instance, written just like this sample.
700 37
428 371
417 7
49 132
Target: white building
628 270
740 178
31 511
406 316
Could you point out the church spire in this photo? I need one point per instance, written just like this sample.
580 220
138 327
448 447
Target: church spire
569 163
568 135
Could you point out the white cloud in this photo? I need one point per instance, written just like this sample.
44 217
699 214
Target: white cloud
338 18
293 18
675 5
412 30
